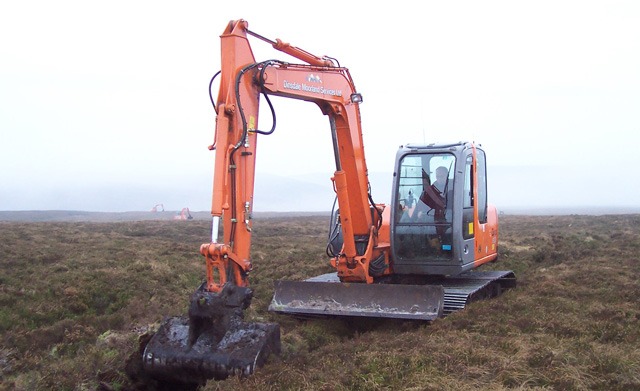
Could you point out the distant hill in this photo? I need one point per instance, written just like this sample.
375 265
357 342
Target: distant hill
75 215
513 190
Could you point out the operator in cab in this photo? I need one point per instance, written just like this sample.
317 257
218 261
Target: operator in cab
435 200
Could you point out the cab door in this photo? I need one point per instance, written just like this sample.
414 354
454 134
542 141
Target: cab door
486 216
468 229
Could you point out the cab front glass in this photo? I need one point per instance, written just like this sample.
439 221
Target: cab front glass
424 211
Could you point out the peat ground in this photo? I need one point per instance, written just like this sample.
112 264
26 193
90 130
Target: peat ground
76 296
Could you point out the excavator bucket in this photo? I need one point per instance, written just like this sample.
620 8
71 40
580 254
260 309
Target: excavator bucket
318 297
213 342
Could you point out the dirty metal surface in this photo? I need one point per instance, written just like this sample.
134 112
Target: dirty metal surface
390 300
324 298
213 342
242 349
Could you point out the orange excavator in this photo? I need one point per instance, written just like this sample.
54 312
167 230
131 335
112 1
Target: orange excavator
184 214
157 208
413 259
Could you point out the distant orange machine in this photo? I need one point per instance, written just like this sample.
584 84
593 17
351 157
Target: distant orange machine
183 215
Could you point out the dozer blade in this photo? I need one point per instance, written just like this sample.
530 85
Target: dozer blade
213 342
315 298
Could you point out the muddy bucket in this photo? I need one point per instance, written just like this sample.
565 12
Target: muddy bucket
243 349
213 342
317 298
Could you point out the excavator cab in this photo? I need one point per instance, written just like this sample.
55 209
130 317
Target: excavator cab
438 190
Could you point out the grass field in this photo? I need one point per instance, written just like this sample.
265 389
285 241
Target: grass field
76 296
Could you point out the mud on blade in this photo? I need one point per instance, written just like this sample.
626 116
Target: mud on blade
421 302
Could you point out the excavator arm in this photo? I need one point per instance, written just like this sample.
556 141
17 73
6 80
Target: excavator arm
320 81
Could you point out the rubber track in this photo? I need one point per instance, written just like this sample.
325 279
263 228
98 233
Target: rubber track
470 286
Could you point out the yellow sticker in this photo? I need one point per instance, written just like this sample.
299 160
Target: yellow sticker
252 123
470 228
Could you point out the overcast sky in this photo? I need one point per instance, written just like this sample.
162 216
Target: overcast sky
104 105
